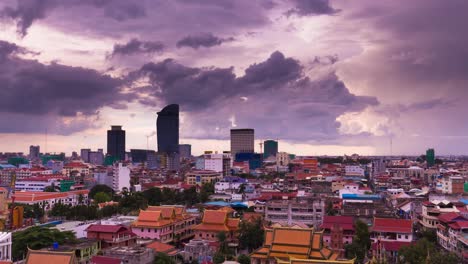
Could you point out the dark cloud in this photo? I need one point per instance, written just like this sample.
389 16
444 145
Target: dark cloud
135 46
27 11
312 7
35 90
203 39
273 96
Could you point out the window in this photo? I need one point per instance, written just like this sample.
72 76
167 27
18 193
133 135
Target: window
406 236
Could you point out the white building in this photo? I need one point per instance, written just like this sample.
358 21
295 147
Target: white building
5 246
223 186
48 199
37 183
354 170
282 159
121 178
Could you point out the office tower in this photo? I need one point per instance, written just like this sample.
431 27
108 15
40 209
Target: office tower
242 140
96 157
84 154
34 152
430 157
185 151
167 127
116 142
74 155
270 148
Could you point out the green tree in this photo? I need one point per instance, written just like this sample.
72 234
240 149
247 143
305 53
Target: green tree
243 259
206 190
100 188
251 234
329 210
36 238
132 202
162 258
101 197
153 195
425 251
361 243
218 258
190 196
50 188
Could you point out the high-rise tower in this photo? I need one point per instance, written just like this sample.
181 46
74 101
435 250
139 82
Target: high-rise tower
116 142
167 127
242 141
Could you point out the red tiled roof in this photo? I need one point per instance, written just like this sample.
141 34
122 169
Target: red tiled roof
390 245
448 217
105 260
392 225
106 228
346 222
160 247
459 225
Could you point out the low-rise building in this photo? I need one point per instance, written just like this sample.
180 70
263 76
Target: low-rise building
48 199
389 235
5 246
216 221
133 255
286 245
164 223
197 249
200 177
431 211
111 235
308 211
338 231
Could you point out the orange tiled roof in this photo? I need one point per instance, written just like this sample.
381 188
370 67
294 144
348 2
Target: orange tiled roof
210 227
50 257
160 247
214 217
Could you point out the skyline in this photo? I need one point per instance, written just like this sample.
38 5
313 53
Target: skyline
323 77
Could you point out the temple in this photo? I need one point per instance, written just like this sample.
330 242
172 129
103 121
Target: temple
285 245
215 221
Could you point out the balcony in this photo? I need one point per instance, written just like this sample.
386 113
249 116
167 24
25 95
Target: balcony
119 239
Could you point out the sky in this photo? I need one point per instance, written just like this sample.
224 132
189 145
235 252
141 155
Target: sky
323 77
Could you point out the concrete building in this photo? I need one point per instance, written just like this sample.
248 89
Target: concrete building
338 231
306 211
5 246
38 184
84 154
431 211
116 142
104 177
121 177
167 127
199 177
389 235
242 140
197 249
354 171
133 255
48 199
96 157
282 159
164 223
452 185
34 152
185 151
270 148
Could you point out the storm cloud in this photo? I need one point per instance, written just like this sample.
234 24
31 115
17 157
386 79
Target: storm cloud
64 93
312 7
275 94
203 39
135 46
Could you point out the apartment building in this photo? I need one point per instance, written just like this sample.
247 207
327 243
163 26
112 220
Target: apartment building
307 211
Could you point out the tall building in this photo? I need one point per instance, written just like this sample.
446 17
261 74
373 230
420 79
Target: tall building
167 127
34 152
430 157
121 178
84 154
242 140
96 157
270 148
116 142
185 151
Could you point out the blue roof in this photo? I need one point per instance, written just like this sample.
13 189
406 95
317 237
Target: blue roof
350 196
465 201
233 204
7 166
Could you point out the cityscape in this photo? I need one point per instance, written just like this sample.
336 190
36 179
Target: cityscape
234 132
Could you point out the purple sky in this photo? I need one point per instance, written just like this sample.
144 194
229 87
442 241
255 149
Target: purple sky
324 77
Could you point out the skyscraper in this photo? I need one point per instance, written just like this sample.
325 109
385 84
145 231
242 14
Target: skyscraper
430 157
270 148
167 127
242 140
116 142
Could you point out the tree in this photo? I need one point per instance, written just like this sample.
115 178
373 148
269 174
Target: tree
132 202
243 259
162 258
425 251
329 210
218 258
207 189
153 195
361 242
50 188
100 188
101 197
251 234
38 237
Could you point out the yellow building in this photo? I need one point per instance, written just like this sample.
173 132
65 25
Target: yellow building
200 177
285 245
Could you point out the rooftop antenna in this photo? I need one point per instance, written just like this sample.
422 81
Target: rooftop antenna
261 146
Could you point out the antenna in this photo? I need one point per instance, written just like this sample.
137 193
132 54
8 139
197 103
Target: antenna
46 140
261 146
